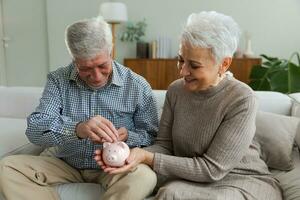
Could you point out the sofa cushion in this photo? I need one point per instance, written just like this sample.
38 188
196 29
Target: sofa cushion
89 191
79 191
290 181
275 135
160 98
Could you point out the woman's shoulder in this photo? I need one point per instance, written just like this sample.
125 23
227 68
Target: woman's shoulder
176 86
239 88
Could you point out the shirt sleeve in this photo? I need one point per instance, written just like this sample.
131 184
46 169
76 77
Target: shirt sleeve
145 121
47 126
231 142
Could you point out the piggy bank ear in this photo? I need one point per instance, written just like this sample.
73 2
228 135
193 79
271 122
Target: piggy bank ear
122 145
106 144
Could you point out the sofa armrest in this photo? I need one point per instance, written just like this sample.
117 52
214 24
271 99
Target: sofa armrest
28 148
13 138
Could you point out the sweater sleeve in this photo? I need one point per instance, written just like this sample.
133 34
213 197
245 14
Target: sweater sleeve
230 144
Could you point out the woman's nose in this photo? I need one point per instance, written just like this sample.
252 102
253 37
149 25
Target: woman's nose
184 71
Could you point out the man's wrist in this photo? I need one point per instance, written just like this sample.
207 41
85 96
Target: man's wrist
77 130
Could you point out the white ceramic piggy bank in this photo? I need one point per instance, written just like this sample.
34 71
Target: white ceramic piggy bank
115 154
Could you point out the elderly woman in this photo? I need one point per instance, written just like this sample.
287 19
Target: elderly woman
205 146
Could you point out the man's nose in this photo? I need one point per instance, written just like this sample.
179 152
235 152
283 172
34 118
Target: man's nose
97 75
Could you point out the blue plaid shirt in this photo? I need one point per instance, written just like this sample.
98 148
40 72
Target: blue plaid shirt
127 101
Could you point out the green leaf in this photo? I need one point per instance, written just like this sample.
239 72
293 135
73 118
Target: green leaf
258 72
294 78
134 31
276 74
260 84
269 58
279 80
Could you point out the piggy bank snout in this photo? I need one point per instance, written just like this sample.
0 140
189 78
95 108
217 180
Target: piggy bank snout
111 158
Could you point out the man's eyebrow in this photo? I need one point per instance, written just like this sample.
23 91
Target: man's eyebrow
102 64
84 67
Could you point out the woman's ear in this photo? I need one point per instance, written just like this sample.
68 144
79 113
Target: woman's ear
225 65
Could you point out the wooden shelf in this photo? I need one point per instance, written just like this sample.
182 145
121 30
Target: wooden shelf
161 72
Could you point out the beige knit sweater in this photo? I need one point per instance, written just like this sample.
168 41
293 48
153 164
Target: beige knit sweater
205 135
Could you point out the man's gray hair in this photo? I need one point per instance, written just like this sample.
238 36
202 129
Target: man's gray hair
212 30
87 38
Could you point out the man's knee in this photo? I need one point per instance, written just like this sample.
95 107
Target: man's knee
4 164
7 161
145 173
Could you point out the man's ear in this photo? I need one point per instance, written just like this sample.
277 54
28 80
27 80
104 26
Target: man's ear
225 64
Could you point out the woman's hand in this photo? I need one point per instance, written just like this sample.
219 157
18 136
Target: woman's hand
137 156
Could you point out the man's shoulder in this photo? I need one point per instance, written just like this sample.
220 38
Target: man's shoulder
131 78
61 72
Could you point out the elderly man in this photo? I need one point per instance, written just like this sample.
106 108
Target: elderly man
92 100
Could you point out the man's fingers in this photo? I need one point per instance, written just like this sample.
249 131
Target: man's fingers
102 134
109 132
94 137
111 127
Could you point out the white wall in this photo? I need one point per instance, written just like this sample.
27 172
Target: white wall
26 53
61 13
273 24
2 57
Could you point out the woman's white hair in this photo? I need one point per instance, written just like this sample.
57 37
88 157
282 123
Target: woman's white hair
212 30
87 38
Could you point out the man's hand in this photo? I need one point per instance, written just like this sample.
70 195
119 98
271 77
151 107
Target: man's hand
97 129
123 135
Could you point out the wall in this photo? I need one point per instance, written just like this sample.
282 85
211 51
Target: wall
2 57
273 24
26 50
61 13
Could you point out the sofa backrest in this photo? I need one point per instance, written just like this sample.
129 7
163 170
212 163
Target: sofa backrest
296 104
19 102
274 102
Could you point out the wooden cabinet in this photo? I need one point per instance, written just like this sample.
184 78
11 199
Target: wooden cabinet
161 72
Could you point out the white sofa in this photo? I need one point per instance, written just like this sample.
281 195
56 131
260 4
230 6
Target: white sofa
16 103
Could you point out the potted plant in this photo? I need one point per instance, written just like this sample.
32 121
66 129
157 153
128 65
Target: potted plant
133 33
276 74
